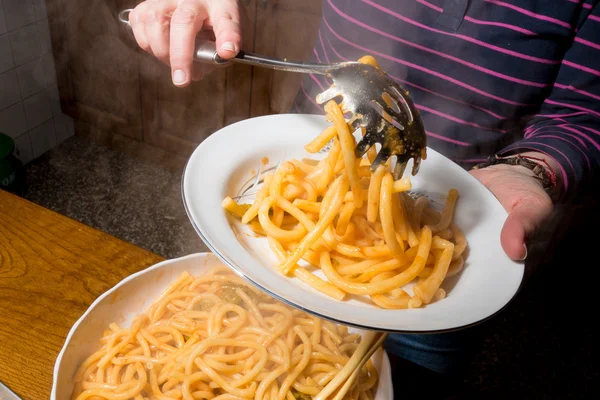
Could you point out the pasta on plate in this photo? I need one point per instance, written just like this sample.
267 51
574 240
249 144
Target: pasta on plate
363 230
215 337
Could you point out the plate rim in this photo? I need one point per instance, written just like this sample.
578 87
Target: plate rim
226 260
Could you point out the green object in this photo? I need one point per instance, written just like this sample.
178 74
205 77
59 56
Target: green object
12 176
7 146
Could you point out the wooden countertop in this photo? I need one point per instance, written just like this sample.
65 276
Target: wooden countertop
51 269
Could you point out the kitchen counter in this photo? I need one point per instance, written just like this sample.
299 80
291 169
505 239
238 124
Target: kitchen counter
138 202
51 269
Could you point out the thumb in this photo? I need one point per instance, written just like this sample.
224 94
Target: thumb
225 19
521 223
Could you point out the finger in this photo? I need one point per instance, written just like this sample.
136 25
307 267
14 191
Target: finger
225 19
520 225
157 23
136 21
186 21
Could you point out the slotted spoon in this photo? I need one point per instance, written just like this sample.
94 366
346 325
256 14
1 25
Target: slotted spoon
374 101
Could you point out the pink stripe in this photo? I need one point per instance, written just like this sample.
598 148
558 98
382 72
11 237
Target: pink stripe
562 170
561 115
312 76
480 22
529 128
556 103
460 121
542 132
585 5
338 55
583 92
529 134
530 131
424 107
582 127
317 55
567 123
323 46
501 25
562 135
341 57
594 18
597 132
447 97
310 97
530 14
446 139
438 53
578 139
581 67
463 37
556 119
587 160
596 145
587 43
578 126
418 67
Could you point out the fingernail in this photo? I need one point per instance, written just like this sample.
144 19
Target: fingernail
228 46
179 77
525 255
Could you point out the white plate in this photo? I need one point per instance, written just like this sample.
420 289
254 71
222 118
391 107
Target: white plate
222 165
131 297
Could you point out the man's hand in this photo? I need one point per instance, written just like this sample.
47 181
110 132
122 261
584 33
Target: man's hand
527 203
167 29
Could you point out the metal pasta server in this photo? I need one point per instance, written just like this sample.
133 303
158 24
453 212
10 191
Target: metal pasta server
374 101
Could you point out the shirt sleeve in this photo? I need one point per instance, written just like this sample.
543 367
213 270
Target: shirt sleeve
567 126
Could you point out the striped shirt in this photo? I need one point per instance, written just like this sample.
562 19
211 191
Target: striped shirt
488 76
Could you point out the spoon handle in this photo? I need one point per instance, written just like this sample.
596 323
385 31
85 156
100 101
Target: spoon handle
206 52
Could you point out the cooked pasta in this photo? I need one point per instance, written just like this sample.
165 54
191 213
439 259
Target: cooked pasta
215 337
362 229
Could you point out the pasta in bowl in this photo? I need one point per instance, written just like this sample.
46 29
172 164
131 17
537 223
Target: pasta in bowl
355 223
190 328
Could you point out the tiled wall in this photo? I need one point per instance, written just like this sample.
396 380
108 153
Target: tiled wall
29 105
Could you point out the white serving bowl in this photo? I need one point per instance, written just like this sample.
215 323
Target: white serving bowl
131 297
